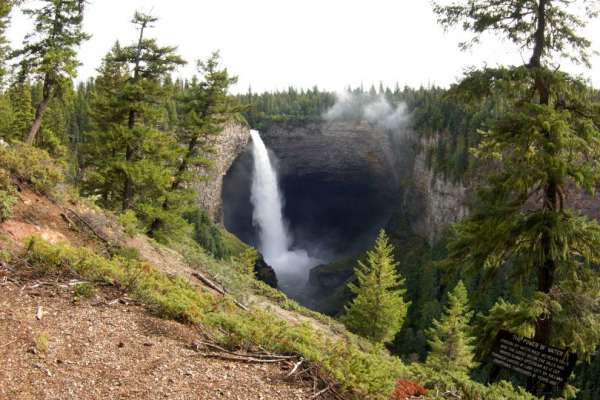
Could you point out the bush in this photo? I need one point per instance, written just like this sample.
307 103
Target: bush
7 202
130 222
7 196
31 165
85 290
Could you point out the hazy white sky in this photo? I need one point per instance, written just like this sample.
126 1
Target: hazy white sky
272 44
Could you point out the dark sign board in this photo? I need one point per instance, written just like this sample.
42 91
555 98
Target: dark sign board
534 360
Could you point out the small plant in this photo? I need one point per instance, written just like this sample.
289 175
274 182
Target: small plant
7 202
7 196
85 290
126 252
130 222
41 342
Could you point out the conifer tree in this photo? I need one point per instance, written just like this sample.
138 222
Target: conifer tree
451 344
378 310
205 107
5 9
150 64
20 97
49 52
542 145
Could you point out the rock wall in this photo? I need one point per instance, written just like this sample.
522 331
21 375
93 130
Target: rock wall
347 151
226 148
433 203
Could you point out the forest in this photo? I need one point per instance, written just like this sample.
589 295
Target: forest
136 142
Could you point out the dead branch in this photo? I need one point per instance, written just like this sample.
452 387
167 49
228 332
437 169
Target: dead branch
319 393
89 226
214 286
228 357
296 366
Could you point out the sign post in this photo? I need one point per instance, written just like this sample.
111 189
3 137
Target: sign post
548 365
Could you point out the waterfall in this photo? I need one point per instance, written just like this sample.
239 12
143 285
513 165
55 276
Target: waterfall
291 266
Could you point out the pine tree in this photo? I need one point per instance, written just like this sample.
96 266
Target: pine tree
150 63
378 309
5 9
542 145
451 344
49 52
205 108
20 97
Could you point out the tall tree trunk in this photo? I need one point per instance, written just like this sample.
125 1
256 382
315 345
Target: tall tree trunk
40 110
129 153
539 36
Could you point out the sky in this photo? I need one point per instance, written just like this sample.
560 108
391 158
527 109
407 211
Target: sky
273 44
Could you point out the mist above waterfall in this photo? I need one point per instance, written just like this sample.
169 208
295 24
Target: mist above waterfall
291 266
376 109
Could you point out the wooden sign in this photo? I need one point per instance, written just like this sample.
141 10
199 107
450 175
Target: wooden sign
534 360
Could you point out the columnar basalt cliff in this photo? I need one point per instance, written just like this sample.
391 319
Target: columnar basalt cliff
226 147
433 201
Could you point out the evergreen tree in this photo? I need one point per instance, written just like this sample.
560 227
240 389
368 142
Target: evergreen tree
5 9
378 310
451 344
543 144
150 63
49 52
22 106
205 108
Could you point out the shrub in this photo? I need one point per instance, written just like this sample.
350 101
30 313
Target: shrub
7 196
85 290
7 202
130 222
32 165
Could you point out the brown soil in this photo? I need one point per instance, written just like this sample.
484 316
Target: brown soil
100 348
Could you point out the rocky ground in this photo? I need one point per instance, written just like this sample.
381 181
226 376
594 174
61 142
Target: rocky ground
55 346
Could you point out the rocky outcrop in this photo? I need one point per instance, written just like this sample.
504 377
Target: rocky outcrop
433 203
264 272
226 147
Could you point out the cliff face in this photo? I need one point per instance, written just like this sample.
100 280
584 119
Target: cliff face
337 151
433 203
226 148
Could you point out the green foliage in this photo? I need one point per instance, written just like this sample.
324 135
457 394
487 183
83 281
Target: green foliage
130 222
441 383
49 52
450 339
212 237
365 369
85 290
378 310
7 196
7 202
31 165
542 145
519 21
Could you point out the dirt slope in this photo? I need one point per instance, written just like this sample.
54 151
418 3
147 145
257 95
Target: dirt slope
101 348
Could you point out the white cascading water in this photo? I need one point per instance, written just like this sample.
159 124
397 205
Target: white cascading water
291 266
